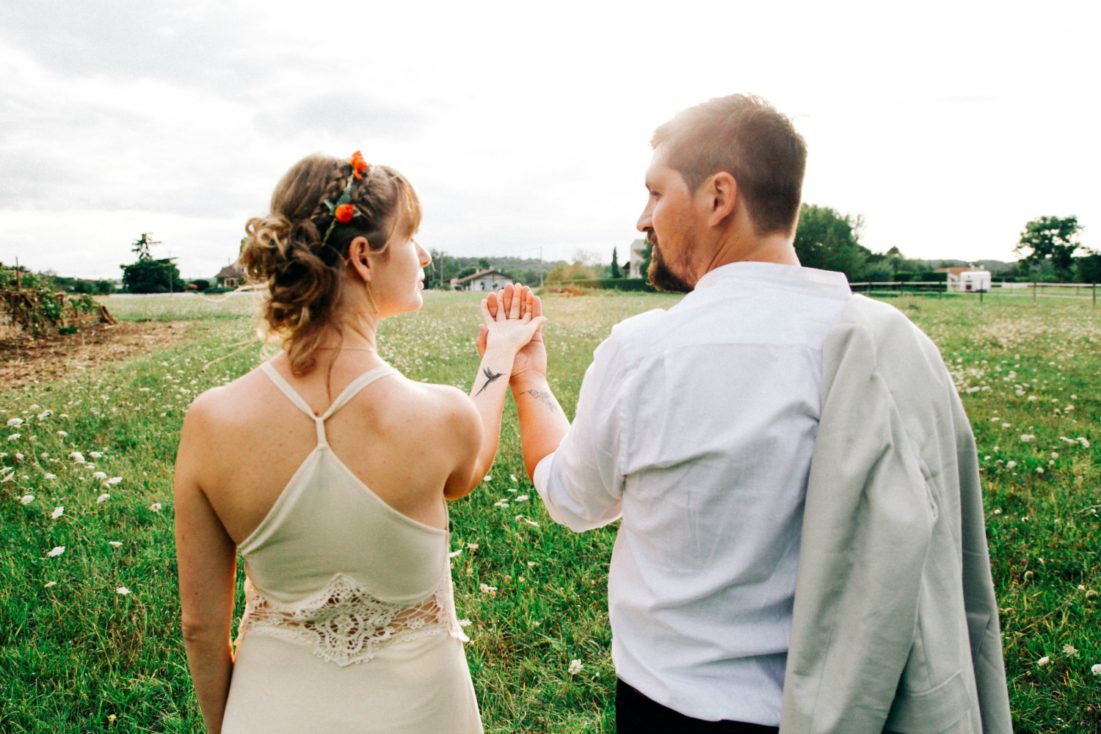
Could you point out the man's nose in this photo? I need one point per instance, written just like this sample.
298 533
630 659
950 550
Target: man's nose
644 222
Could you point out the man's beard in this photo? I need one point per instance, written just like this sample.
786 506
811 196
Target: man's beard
659 274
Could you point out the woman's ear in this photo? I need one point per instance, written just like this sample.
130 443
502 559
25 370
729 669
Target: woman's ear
359 258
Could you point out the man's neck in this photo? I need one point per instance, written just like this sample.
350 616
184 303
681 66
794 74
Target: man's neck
776 248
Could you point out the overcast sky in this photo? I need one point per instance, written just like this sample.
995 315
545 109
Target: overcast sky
525 127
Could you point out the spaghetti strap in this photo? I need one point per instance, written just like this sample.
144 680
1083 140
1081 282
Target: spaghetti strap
286 389
355 386
353 389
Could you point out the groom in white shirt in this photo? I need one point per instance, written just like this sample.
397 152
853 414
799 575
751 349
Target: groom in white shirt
696 425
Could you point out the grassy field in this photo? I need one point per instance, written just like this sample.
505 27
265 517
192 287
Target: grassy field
89 636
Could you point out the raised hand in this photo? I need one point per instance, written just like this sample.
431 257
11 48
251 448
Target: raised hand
509 320
532 358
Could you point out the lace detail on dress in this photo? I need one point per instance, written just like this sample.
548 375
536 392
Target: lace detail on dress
345 623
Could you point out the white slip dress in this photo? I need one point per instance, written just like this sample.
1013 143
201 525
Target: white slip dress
349 623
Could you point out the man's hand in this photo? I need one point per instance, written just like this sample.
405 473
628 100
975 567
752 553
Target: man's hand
531 360
510 320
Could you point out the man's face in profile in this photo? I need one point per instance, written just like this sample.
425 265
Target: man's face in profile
668 221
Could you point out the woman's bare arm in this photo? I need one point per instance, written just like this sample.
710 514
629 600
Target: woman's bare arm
207 567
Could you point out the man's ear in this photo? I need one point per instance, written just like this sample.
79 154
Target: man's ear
360 261
722 194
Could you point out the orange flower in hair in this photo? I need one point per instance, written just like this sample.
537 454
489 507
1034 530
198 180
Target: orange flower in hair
359 166
344 213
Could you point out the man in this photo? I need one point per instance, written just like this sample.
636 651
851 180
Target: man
698 426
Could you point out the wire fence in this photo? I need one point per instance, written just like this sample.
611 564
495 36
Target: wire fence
1085 292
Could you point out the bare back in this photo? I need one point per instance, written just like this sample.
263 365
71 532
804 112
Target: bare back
406 441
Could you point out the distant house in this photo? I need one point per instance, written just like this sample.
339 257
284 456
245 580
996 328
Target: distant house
634 264
483 280
231 276
967 280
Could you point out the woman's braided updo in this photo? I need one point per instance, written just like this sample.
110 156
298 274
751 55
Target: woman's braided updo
303 274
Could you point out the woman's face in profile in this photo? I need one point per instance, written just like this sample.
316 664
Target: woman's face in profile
397 283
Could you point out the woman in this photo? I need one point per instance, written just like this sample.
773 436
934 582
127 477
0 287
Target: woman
328 472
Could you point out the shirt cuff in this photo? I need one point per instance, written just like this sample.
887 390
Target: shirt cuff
541 476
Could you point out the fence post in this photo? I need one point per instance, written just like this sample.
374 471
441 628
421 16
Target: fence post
1095 293
1034 288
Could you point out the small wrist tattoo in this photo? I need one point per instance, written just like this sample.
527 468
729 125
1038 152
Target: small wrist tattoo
543 397
491 377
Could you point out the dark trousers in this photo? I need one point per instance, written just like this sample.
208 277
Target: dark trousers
635 712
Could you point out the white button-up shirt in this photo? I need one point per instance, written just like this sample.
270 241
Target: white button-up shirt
697 426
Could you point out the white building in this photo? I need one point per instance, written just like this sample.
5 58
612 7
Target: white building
634 264
484 280
968 280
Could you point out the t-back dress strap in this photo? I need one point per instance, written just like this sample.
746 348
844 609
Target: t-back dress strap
349 392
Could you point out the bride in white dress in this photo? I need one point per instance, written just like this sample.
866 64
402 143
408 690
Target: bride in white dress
327 472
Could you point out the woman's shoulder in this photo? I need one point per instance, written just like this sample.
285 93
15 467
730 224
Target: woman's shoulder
445 405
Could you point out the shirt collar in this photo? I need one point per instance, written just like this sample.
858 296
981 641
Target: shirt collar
774 274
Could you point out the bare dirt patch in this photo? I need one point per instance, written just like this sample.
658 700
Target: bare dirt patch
26 361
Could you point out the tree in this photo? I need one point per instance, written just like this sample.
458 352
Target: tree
151 276
647 255
1089 268
484 264
615 263
1050 239
828 240
142 246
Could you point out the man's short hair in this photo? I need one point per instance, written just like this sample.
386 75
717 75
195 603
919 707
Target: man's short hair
746 137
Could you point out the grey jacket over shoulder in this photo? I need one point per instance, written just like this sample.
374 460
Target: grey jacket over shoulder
895 625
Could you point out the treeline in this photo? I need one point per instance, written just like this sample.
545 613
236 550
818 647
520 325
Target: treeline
1049 248
525 270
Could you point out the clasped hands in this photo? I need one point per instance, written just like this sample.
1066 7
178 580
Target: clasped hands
512 319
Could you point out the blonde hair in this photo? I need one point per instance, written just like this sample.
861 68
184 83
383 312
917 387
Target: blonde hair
303 275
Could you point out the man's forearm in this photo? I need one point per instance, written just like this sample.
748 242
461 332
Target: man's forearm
543 424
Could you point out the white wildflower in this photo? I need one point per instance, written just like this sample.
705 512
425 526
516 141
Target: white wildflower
113 481
464 622
1045 660
1096 669
95 454
1070 650
77 457
575 667
100 476
15 422
114 543
45 414
155 507
1011 465
26 499
14 437
997 510
487 589
488 478
472 546
58 512
49 476
50 584
102 498
455 554
63 434
56 551
1026 437
1039 470
122 591
512 478
501 503
520 498
1084 441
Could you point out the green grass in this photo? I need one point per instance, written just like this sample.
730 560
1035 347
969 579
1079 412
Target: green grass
77 653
